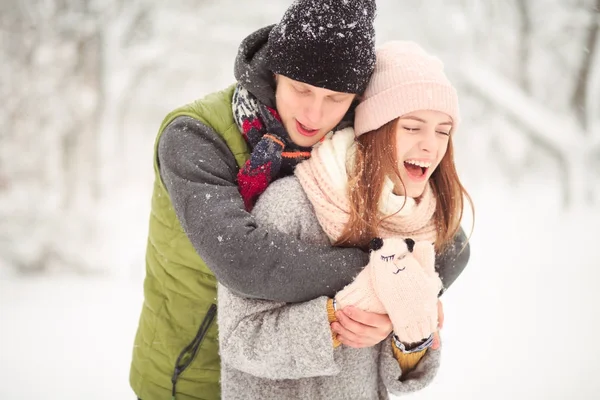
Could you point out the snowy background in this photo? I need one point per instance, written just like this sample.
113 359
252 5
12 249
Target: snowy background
84 85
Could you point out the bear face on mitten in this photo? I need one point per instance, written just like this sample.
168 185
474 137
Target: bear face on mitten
400 280
403 277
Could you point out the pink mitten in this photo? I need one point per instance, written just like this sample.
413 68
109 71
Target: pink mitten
360 293
404 279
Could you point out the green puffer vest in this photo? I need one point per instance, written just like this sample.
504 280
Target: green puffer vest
176 345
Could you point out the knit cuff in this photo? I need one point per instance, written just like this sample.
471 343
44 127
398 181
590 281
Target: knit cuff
424 344
331 318
407 361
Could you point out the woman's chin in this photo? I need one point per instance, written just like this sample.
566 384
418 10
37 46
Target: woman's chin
415 191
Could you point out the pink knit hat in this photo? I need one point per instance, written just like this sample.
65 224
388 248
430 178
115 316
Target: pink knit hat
406 79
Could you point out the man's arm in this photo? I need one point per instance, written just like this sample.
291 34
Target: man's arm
199 172
453 260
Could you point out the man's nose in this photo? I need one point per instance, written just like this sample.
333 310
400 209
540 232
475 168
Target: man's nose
314 112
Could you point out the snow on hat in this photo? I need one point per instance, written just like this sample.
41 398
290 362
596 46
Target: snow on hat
406 79
325 43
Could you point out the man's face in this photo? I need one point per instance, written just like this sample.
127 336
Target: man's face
309 112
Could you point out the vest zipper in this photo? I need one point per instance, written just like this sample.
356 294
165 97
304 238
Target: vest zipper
188 354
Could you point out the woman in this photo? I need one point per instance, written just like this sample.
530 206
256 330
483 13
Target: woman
400 181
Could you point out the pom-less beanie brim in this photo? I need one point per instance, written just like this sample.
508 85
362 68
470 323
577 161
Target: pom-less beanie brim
325 43
397 101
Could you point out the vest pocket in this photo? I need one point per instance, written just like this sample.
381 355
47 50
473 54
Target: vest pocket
188 354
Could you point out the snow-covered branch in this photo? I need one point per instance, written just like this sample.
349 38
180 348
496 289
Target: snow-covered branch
559 133
543 123
125 17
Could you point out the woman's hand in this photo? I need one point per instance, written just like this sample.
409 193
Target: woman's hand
357 328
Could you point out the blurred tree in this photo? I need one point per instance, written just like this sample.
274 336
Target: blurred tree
69 66
85 83
538 65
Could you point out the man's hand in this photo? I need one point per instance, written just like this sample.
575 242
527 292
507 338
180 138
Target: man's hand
357 328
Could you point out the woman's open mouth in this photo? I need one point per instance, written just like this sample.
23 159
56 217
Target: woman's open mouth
417 170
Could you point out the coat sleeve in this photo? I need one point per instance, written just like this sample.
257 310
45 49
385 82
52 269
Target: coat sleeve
200 172
275 340
399 383
279 340
452 262
284 207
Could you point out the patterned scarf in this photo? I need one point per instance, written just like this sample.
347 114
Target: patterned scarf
325 181
273 155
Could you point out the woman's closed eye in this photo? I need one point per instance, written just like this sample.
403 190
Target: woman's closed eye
411 129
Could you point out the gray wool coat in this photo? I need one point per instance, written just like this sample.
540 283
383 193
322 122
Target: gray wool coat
272 350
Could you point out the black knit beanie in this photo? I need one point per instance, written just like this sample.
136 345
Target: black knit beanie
325 43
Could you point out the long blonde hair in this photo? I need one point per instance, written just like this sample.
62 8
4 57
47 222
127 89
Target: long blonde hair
375 160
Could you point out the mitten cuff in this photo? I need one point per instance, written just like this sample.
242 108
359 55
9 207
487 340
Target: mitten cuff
416 330
331 318
426 343
331 311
